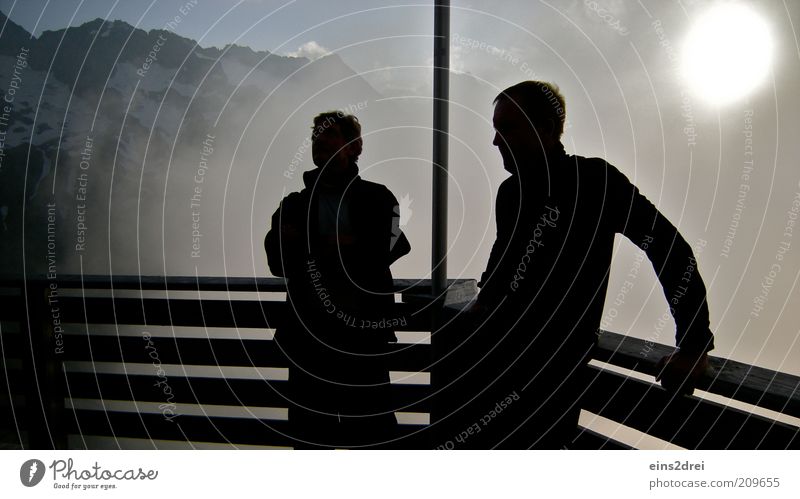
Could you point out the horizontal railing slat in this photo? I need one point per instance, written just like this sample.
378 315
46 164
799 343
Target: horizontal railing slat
149 311
211 429
202 313
189 351
213 352
193 283
751 384
181 428
689 422
755 385
233 392
591 440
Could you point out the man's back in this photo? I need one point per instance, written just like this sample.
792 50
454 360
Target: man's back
338 271
334 242
534 322
543 294
550 264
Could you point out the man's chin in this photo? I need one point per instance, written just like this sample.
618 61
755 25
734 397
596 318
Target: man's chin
510 167
329 164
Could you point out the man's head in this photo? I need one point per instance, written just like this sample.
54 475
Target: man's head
528 121
335 141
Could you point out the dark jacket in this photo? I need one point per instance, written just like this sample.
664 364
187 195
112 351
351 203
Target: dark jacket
342 290
548 270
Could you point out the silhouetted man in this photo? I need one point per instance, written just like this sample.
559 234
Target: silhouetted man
334 242
543 291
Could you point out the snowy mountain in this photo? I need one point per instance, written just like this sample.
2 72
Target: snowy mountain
107 127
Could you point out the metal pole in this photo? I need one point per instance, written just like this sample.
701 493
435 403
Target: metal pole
441 96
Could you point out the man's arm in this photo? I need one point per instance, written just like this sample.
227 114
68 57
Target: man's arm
284 241
676 267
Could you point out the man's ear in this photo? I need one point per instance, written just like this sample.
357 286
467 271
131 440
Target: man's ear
355 147
550 127
547 129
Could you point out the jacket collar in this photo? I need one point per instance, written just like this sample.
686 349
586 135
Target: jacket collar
543 171
320 178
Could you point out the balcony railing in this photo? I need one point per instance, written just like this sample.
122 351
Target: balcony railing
178 361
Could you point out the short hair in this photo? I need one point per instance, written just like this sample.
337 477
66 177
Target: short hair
348 125
538 100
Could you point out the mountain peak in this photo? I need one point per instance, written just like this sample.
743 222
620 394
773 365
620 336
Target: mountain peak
12 37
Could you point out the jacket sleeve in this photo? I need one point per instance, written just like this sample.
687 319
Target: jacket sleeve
284 256
672 258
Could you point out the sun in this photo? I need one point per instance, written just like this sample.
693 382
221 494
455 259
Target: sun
727 53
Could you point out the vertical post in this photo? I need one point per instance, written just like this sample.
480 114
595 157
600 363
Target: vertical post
36 402
441 96
44 396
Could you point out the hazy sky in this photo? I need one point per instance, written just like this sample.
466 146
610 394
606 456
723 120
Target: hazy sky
271 25
725 173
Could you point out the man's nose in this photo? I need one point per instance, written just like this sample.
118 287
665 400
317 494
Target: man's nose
497 139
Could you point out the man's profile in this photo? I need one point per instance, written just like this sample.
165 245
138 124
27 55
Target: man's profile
545 283
334 242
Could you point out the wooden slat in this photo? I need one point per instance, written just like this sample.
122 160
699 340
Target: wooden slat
189 351
685 421
755 385
176 283
193 283
210 313
212 352
591 440
630 353
234 392
201 429
751 384
181 428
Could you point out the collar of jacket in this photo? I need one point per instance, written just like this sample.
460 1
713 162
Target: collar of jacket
321 177
542 172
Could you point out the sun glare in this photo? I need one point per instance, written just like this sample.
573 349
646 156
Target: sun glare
727 53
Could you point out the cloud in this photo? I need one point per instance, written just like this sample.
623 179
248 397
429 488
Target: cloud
311 50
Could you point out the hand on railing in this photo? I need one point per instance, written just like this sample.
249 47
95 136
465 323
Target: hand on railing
680 371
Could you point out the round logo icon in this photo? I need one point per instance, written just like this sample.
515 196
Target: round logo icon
31 472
